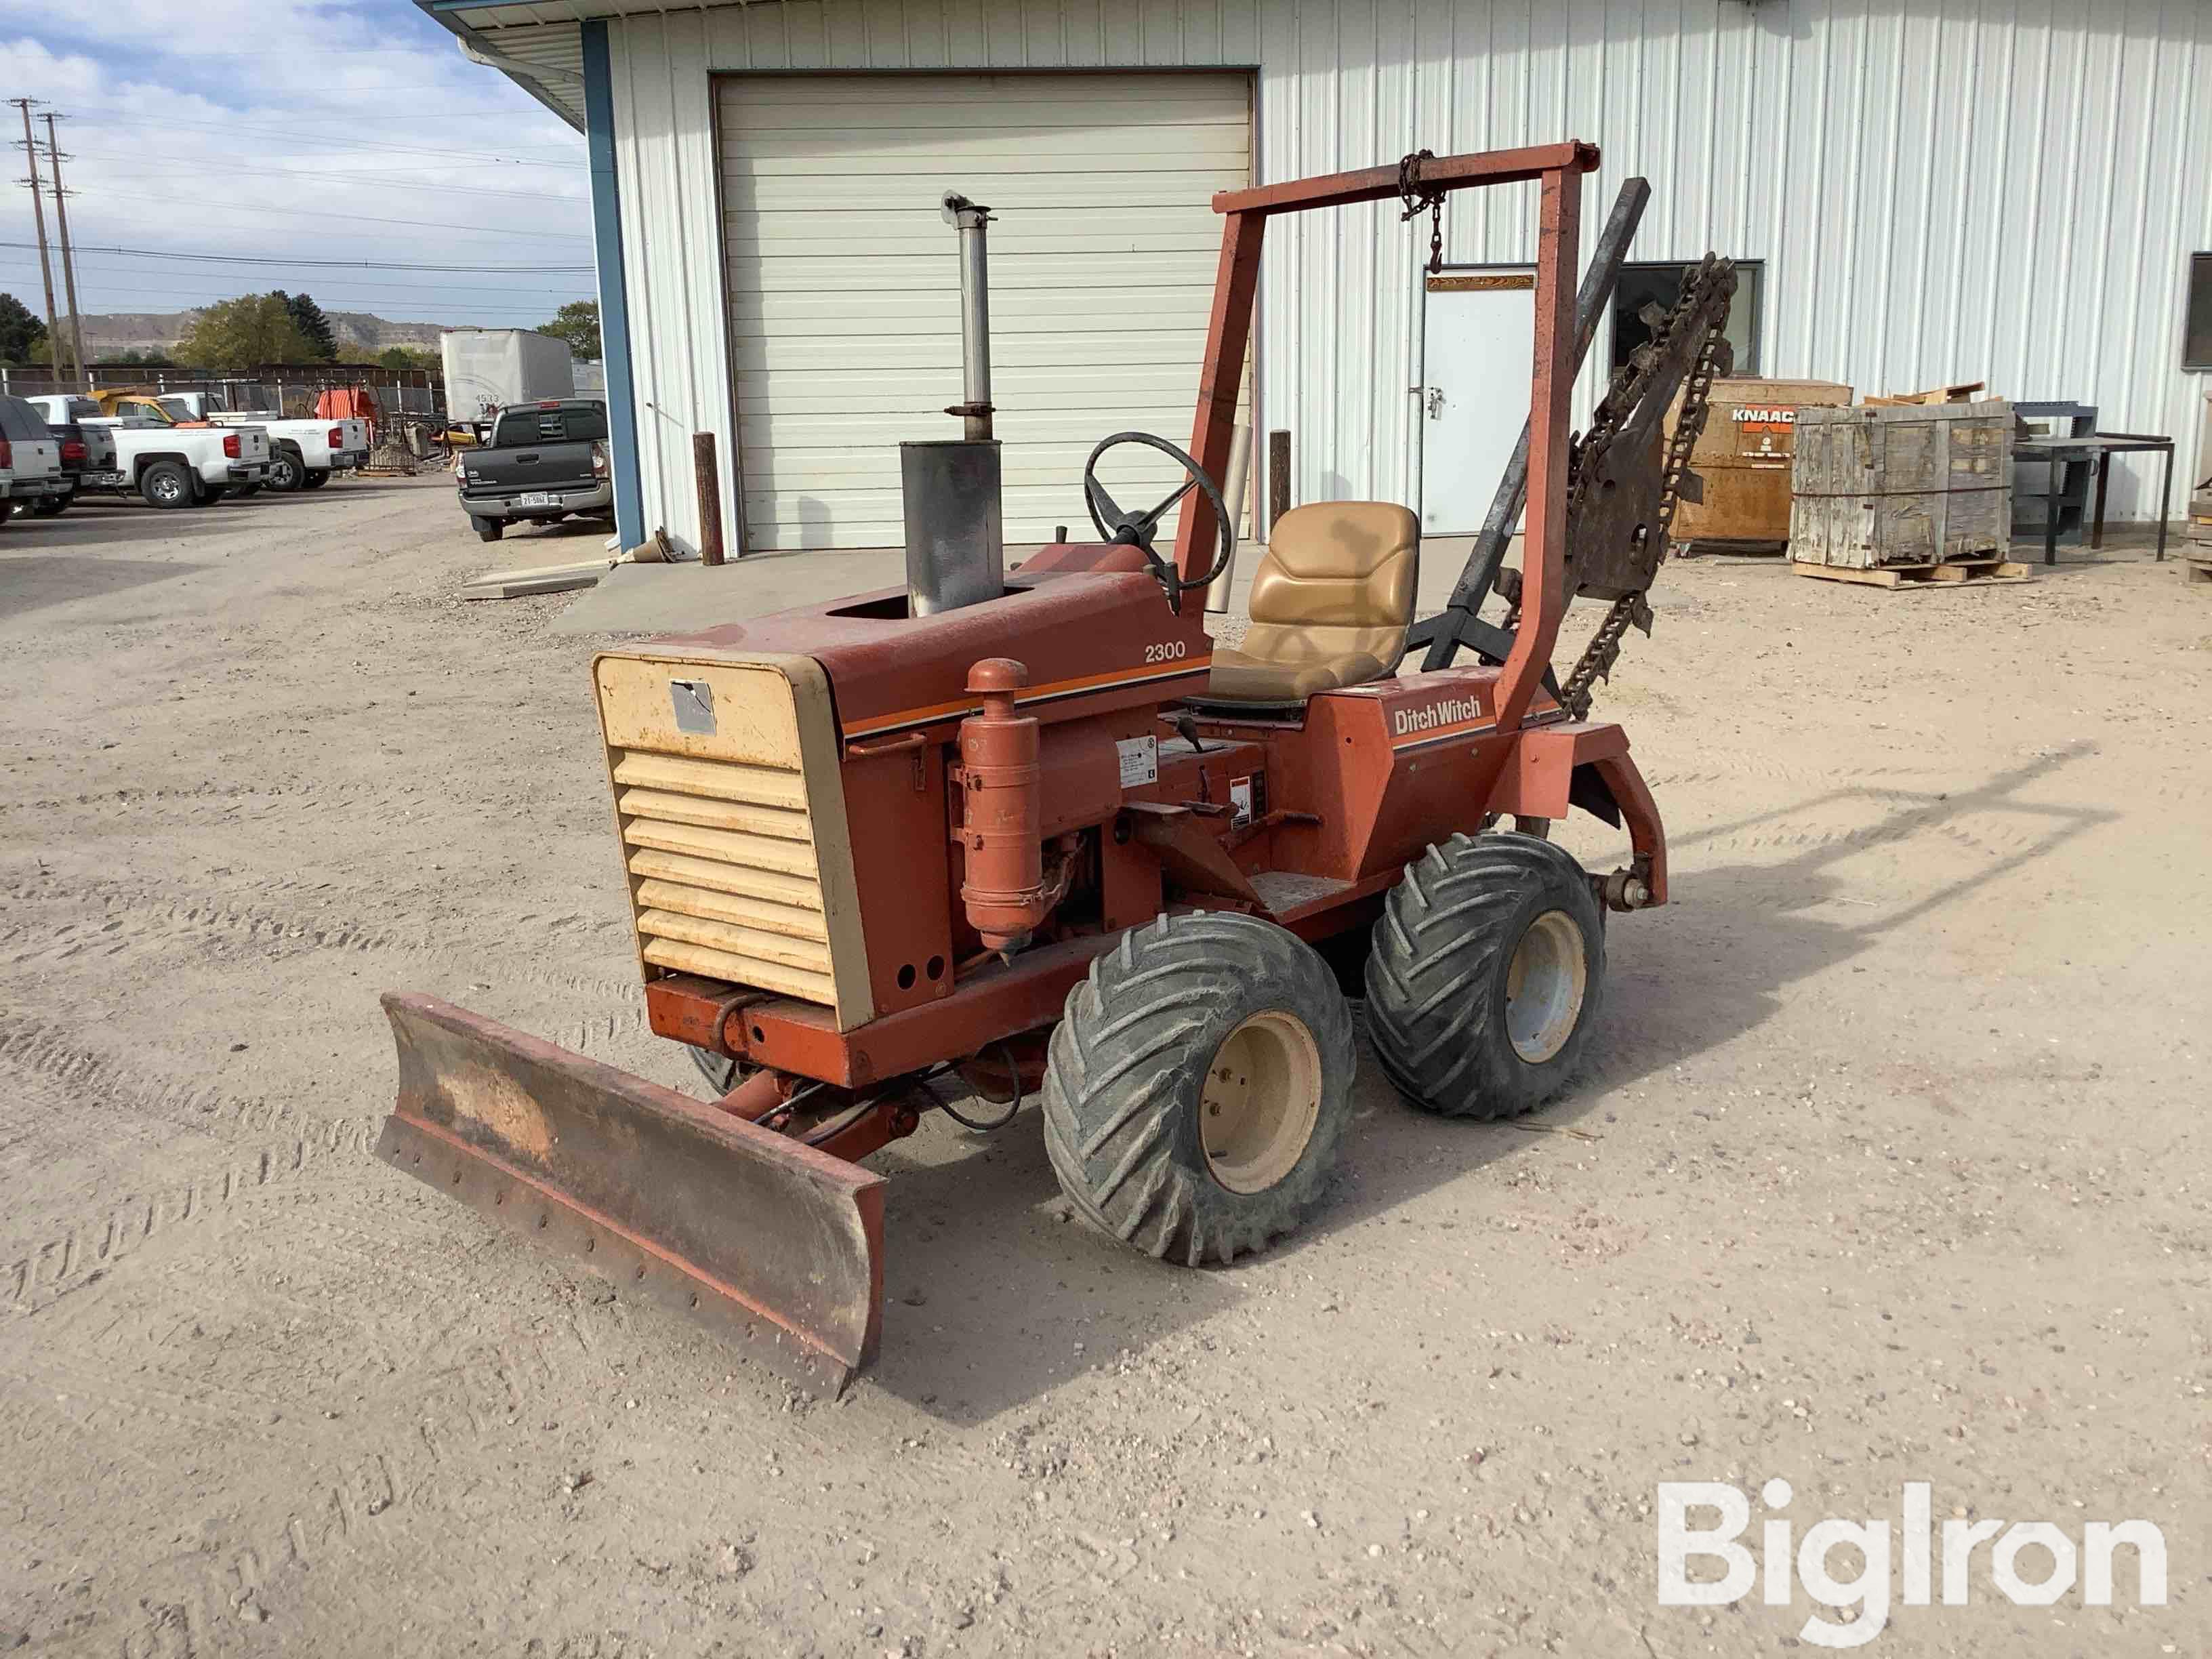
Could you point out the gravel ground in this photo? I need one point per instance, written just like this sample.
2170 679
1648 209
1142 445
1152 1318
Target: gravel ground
1889 1166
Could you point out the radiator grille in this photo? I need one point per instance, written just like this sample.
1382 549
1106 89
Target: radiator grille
728 884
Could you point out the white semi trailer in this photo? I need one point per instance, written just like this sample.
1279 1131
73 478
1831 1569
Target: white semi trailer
489 369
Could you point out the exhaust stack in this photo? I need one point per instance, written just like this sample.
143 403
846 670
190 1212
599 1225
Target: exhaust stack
956 545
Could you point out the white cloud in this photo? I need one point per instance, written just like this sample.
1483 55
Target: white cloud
290 130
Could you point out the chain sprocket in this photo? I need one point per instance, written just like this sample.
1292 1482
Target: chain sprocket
1702 307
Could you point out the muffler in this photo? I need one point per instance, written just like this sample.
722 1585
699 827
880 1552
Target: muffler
772 1244
956 541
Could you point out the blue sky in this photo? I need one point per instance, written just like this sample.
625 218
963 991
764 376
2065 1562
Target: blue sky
285 130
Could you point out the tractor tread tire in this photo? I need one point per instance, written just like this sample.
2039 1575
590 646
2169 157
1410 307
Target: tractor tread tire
1436 976
1129 1060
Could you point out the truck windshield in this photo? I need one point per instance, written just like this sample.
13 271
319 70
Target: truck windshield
144 408
176 409
572 423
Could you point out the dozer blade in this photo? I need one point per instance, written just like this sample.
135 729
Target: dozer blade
773 1244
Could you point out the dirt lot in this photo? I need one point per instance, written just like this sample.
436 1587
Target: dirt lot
1891 1165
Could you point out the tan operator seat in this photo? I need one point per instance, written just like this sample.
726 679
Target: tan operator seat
1330 604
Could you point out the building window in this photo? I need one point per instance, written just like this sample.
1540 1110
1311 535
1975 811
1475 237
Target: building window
2196 333
1662 285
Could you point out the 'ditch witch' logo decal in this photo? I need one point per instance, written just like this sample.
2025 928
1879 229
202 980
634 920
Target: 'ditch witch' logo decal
1429 717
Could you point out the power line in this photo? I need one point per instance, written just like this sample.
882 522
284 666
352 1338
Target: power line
332 264
377 178
342 294
127 268
344 146
359 218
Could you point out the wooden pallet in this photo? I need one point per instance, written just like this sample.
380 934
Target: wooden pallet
1953 574
2196 562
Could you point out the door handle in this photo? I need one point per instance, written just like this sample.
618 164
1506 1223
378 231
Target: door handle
1436 402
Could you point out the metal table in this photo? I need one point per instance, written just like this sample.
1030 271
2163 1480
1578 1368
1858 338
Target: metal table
2098 448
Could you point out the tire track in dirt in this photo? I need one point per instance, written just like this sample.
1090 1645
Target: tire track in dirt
388 1503
311 796
148 919
147 924
73 1251
196 1603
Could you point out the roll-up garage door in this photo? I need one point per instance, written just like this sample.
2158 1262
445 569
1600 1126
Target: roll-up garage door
843 281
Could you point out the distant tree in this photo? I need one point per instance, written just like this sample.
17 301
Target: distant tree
243 333
400 356
19 331
309 316
578 322
139 359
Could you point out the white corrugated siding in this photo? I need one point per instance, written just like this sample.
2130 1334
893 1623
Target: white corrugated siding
844 291
1941 190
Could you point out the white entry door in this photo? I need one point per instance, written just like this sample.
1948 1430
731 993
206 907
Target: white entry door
1479 339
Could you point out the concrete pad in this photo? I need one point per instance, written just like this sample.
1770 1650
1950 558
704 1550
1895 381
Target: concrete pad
683 598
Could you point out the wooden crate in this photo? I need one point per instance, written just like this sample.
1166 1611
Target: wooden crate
1919 484
1744 458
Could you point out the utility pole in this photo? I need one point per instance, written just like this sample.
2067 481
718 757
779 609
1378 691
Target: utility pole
39 217
68 259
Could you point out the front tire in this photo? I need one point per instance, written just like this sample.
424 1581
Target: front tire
1199 1087
1483 982
165 484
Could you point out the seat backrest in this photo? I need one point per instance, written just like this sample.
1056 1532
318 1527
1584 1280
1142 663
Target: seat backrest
1337 581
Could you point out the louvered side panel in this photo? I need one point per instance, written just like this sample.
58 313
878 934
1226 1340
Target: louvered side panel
726 852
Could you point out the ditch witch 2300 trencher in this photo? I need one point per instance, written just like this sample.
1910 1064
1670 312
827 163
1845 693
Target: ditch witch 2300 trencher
1033 835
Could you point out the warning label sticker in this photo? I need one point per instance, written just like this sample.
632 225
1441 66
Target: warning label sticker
1140 761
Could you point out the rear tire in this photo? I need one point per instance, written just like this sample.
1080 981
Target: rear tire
51 506
244 490
1483 982
165 484
1199 1087
487 530
315 480
285 471
211 494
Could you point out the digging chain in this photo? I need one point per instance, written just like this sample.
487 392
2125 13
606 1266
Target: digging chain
1712 284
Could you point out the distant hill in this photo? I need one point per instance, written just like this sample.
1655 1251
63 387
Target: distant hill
114 331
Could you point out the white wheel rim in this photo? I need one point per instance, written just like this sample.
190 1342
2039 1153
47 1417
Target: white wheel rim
1260 1100
1545 986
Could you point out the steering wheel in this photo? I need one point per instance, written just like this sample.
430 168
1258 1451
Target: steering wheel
1136 529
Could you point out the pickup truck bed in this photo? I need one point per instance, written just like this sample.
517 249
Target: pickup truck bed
544 462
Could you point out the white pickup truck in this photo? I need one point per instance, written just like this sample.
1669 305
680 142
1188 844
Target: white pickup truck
171 466
30 457
302 454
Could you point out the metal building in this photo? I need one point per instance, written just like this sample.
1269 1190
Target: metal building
1922 191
